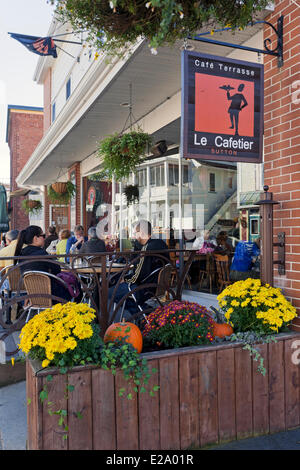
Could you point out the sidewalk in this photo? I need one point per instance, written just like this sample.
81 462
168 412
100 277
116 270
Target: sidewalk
13 423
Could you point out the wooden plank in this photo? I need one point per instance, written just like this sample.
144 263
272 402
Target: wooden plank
104 411
169 403
126 415
292 384
276 387
243 393
208 398
149 425
226 395
31 408
80 401
189 409
52 432
260 387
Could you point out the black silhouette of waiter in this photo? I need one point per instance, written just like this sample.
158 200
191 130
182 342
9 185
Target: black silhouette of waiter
238 102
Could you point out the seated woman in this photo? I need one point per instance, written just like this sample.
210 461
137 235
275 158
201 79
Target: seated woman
224 247
34 238
61 247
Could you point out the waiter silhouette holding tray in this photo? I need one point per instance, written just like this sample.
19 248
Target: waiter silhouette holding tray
238 102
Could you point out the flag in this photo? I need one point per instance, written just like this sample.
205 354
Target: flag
41 46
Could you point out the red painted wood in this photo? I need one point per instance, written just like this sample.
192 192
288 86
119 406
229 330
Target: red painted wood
80 401
243 393
104 410
188 404
226 395
52 432
169 403
126 415
276 387
260 395
208 398
149 417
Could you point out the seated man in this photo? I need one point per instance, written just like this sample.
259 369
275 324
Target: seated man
143 267
94 244
74 243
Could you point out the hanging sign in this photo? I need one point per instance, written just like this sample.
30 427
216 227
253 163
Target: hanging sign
222 108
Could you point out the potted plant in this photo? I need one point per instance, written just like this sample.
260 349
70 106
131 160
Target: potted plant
61 193
131 192
115 25
32 206
122 153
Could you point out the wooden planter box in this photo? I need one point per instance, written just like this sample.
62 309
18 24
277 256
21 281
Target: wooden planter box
207 395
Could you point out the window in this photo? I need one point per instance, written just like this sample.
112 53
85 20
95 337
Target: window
53 112
173 174
157 175
68 88
212 182
230 182
142 178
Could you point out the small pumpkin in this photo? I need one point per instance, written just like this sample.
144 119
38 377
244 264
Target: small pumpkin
222 329
129 331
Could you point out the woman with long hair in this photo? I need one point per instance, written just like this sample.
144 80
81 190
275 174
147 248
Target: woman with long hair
34 238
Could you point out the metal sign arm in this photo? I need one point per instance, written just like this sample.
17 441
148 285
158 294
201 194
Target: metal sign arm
277 51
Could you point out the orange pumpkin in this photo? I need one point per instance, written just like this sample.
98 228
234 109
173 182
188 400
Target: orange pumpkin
127 330
222 329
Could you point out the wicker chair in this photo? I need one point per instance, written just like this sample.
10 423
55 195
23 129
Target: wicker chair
38 287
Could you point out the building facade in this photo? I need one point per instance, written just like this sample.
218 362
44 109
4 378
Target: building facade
24 132
86 98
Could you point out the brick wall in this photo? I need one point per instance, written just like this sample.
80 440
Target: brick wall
25 132
282 144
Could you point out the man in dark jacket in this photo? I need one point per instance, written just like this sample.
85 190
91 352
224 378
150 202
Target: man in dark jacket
143 267
94 244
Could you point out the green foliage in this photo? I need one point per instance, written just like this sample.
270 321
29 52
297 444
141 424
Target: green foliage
132 194
251 341
27 206
64 198
115 25
122 153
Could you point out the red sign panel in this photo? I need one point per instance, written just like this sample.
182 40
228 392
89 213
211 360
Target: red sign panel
222 108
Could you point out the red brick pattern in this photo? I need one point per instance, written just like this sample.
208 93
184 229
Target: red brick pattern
282 143
25 132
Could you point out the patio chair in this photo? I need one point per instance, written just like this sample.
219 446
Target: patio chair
163 282
223 271
15 288
208 273
38 288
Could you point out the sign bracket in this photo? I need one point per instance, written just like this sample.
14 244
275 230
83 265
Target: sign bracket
277 51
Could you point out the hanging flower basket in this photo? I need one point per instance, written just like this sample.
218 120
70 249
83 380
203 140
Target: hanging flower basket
115 25
32 206
132 193
61 193
123 153
60 188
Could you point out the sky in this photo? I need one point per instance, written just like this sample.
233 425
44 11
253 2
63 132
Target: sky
32 17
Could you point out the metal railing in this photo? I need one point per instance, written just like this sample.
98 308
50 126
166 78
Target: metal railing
98 276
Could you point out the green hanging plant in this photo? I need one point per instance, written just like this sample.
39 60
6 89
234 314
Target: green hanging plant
122 153
32 206
114 26
61 193
132 193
